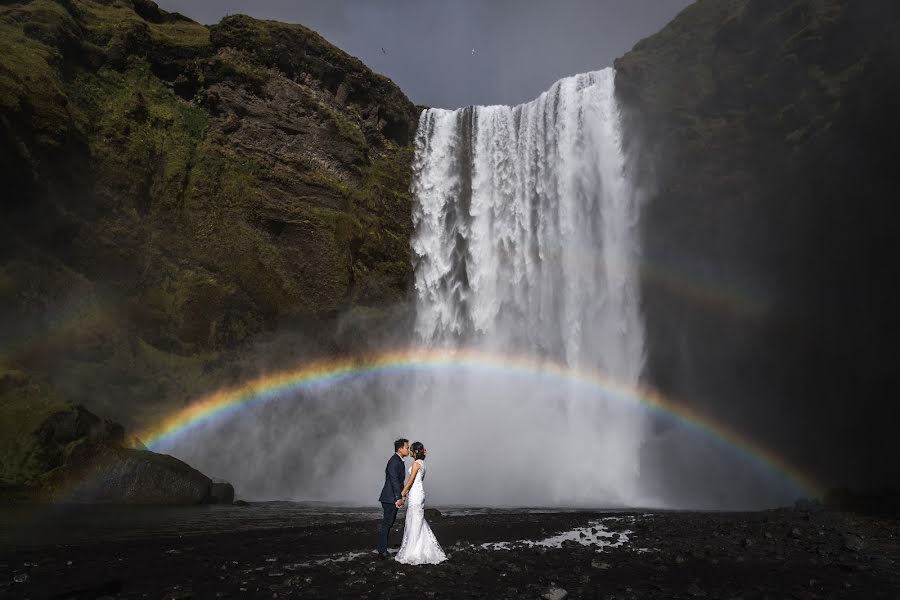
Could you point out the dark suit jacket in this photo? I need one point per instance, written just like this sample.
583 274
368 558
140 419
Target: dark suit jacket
393 480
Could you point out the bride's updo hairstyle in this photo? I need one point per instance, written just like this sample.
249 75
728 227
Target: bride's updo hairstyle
418 450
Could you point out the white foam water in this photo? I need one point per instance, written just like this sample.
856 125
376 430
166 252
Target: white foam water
526 242
595 534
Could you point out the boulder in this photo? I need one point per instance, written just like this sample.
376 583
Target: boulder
555 593
53 450
221 492
853 542
808 505
129 476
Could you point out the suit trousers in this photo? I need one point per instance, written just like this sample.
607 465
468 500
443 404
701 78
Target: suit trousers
390 515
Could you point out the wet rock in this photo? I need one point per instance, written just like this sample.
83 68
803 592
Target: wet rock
22 578
511 567
599 564
853 542
127 476
462 545
240 503
432 513
695 590
555 593
221 492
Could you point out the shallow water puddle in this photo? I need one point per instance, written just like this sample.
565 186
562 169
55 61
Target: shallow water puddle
595 534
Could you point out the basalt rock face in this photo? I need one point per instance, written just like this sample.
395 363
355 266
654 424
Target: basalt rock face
767 130
51 450
128 476
175 192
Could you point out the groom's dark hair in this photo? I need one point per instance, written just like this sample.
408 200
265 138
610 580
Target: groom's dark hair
399 443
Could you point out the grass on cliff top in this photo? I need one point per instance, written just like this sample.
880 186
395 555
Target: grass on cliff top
32 35
108 19
260 36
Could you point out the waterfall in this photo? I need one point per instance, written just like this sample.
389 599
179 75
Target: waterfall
526 242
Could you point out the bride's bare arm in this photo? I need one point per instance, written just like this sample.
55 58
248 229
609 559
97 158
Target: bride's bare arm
409 482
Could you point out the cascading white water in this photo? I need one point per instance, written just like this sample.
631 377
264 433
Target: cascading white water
526 242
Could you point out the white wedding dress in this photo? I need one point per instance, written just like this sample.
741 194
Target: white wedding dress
419 545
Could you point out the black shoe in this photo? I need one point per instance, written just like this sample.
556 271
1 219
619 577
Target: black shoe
383 555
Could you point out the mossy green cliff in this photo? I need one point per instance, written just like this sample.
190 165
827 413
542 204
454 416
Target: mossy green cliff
173 191
178 197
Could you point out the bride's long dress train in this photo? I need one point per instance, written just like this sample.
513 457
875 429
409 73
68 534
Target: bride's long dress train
419 544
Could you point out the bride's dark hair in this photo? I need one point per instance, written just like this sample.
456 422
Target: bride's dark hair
418 450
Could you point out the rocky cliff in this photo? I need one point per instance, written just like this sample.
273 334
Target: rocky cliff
53 450
183 205
174 193
767 130
182 202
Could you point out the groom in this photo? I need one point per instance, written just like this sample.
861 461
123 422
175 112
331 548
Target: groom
390 493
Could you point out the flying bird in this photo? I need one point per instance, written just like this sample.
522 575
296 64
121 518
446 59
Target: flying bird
382 51
473 51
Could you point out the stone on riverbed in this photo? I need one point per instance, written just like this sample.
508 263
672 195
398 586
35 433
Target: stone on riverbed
221 492
555 593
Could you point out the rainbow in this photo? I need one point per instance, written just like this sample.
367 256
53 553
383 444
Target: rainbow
724 299
329 372
692 285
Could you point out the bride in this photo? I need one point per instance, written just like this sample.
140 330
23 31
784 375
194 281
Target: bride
419 544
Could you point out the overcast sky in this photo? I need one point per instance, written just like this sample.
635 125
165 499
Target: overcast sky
521 46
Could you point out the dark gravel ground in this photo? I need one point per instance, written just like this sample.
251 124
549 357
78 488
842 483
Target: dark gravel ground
785 553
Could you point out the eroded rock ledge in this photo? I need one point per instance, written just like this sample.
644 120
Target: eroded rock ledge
54 451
